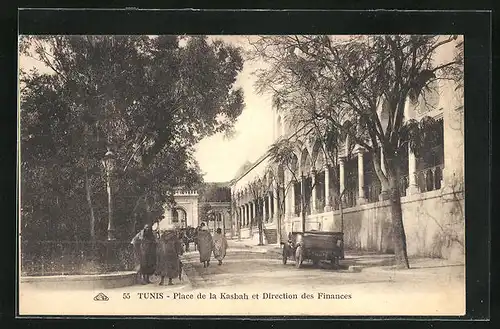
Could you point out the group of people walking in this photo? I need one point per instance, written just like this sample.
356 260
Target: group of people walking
158 252
208 244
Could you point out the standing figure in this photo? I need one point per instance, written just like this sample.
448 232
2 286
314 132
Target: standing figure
204 244
220 246
168 251
145 253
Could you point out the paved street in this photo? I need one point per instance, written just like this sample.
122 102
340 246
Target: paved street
431 287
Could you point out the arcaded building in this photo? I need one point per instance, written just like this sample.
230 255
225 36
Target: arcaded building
432 187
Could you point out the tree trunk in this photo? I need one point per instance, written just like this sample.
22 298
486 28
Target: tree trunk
341 209
89 201
261 231
109 188
251 225
398 231
238 224
303 203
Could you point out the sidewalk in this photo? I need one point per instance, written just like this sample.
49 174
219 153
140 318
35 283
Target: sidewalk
423 267
370 261
246 244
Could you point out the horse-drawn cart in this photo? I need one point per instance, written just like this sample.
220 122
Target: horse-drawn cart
314 245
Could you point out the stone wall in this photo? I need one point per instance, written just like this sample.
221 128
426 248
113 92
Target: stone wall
434 224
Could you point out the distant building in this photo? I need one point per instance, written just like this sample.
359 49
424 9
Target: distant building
216 200
185 211
190 206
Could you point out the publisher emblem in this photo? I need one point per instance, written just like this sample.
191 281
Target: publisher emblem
100 297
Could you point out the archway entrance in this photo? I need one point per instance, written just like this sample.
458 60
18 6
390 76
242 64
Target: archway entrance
179 216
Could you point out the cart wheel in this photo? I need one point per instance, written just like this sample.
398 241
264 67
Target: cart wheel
298 257
285 256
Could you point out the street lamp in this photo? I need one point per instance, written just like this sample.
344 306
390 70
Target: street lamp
109 162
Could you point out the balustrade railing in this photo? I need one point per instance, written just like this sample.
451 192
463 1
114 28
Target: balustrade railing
429 179
297 208
372 192
403 185
350 197
320 205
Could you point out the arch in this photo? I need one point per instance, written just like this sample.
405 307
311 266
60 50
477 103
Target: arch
305 162
299 146
348 143
294 165
317 155
179 216
281 174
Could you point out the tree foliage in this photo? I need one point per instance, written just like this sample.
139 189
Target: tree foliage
148 100
205 212
358 85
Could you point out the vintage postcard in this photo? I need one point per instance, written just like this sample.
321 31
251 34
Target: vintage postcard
247 175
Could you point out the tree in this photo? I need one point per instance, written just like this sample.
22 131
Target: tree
205 211
149 100
364 81
329 140
280 189
283 153
258 191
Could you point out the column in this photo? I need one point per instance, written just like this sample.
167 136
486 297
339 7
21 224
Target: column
223 226
276 206
313 192
271 197
245 214
412 173
302 191
291 195
328 206
288 190
254 208
361 178
302 205
241 210
264 209
342 177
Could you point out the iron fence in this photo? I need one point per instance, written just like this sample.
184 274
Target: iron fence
75 257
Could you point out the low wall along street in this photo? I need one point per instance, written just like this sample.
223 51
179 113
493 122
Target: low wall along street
434 224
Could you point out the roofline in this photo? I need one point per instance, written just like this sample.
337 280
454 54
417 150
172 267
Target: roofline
255 164
262 157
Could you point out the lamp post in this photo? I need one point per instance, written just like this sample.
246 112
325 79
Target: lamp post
109 162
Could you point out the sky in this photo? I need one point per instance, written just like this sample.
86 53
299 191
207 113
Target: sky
220 158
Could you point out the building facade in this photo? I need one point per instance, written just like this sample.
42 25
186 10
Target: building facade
185 211
215 207
431 186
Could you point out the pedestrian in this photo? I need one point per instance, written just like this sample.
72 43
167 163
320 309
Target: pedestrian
204 244
144 244
168 251
220 246
203 227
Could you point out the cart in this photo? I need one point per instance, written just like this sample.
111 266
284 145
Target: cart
315 246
